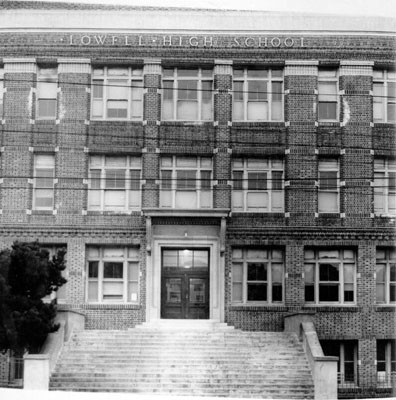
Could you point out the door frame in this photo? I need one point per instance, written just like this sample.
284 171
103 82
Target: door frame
216 274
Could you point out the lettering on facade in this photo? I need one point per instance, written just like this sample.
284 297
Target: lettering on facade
185 41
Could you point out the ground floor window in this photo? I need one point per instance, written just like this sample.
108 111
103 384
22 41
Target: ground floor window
346 351
330 276
112 274
386 275
386 362
257 275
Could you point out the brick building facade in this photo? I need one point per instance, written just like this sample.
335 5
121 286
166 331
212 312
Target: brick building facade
208 167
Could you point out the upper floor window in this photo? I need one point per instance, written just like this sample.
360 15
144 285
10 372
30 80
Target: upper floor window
117 93
330 276
257 185
186 182
1 92
257 94
328 192
112 274
114 183
385 186
47 92
386 275
257 275
386 363
44 180
328 95
187 94
384 96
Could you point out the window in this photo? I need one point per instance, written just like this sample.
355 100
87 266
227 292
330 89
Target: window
117 93
330 276
112 274
257 275
327 95
114 183
386 275
186 182
384 96
346 351
386 362
187 94
60 294
328 193
47 91
1 93
43 189
385 186
258 94
257 185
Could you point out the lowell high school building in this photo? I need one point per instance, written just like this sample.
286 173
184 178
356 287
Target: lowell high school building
228 166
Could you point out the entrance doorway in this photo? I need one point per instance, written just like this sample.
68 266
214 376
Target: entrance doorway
185 283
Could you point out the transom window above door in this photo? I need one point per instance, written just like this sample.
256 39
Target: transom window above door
187 94
117 93
185 258
186 182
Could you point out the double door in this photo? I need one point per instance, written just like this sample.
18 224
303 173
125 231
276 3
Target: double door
185 284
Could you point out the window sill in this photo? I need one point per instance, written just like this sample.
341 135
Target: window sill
108 212
254 213
111 306
116 120
43 212
185 122
332 307
329 215
258 306
385 307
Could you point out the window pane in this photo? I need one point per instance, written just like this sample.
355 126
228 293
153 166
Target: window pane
113 270
327 202
328 293
93 268
47 90
277 293
327 111
117 89
47 108
187 90
97 92
277 180
115 179
257 180
166 179
257 90
134 179
309 272
257 272
186 179
257 292
205 180
117 109
170 258
328 180
309 294
329 272
238 91
237 272
201 259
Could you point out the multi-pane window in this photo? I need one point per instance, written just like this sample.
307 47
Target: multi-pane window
386 362
44 180
386 275
257 94
187 94
112 274
257 185
186 182
328 191
47 92
257 275
384 96
117 93
327 95
385 186
1 92
346 351
330 276
60 294
114 183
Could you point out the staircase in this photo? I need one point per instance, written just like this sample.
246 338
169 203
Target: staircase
201 358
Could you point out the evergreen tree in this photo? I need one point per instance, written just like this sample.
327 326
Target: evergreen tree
27 275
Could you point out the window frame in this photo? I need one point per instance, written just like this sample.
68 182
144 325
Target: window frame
59 295
134 80
327 78
245 93
388 262
170 181
100 280
383 78
172 83
103 180
323 168
49 78
342 261
37 187
387 375
244 260
2 92
241 186
384 189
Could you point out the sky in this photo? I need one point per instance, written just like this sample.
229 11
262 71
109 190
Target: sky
346 7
